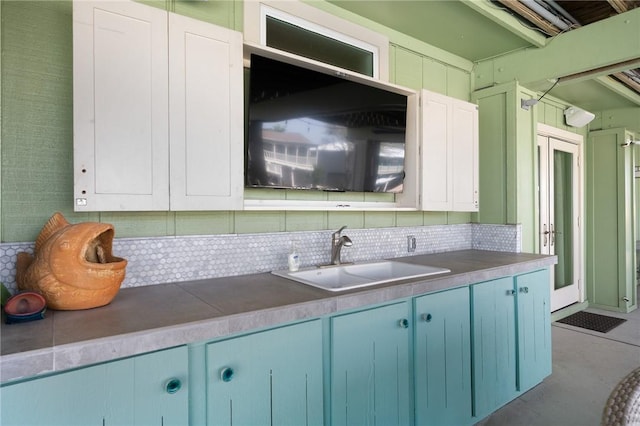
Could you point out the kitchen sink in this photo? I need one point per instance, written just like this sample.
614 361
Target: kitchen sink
350 276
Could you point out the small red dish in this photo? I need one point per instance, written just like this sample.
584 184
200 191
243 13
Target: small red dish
25 304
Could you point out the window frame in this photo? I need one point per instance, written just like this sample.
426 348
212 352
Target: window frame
317 21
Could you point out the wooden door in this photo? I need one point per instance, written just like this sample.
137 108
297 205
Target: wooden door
120 110
271 377
493 330
370 367
161 388
443 358
206 116
534 328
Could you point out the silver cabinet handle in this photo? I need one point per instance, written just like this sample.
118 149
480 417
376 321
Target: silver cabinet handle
511 292
524 289
427 317
404 323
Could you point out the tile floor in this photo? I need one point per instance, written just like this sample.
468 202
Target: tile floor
586 367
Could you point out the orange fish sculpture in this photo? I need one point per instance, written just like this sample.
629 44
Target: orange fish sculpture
72 265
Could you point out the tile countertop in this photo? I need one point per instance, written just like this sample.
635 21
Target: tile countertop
145 319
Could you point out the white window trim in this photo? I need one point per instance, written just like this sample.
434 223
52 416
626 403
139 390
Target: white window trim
266 11
321 22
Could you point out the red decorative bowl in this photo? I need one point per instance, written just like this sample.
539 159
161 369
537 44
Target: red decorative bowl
25 306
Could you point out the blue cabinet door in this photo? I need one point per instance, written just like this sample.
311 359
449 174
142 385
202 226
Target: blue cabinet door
534 328
443 359
160 388
370 367
127 392
76 398
493 339
272 377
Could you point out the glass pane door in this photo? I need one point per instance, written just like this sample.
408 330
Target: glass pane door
562 232
559 216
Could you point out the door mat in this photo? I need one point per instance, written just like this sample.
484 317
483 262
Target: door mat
591 321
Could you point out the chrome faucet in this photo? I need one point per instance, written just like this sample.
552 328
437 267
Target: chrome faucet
337 242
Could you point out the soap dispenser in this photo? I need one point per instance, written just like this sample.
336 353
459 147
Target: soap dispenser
294 257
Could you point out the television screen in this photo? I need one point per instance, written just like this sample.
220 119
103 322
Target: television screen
311 130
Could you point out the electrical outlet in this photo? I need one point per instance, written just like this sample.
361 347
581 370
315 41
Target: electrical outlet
411 243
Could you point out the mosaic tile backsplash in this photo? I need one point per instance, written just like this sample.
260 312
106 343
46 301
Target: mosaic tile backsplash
173 259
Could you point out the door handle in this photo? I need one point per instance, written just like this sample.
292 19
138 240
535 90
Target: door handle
553 234
545 233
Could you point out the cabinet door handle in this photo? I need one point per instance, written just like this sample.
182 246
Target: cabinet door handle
226 374
524 289
511 292
173 385
427 317
404 323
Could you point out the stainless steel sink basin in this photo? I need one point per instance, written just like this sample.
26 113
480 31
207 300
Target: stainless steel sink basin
346 277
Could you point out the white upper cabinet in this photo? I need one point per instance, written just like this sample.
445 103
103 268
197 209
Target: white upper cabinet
449 154
206 116
120 108
156 125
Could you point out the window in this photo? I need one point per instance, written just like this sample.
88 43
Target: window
297 36
304 30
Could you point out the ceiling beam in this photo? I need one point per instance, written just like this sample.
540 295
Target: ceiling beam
619 5
506 21
531 16
620 89
601 71
606 43
628 81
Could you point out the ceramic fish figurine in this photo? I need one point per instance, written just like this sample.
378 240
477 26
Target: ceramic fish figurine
72 265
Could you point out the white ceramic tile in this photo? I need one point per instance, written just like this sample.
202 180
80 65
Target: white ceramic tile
185 258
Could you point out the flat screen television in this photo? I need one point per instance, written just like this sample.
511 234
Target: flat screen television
318 131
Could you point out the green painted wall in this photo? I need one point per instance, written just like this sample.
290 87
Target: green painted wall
509 156
628 118
610 249
36 174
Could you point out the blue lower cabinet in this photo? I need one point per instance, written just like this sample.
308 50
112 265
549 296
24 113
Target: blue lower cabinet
446 358
511 338
534 328
370 367
272 377
493 345
130 392
442 359
66 399
161 391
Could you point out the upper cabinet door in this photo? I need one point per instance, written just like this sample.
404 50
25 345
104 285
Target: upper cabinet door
120 107
436 155
449 154
206 116
464 156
